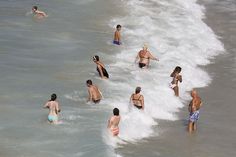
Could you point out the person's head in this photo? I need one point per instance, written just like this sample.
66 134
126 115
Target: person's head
137 90
145 46
53 97
118 27
116 112
89 83
177 69
95 58
34 8
194 93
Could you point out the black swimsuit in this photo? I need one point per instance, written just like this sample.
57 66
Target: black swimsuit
104 71
96 101
141 65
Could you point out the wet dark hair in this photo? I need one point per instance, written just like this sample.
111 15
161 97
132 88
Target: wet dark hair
35 7
53 97
96 58
137 90
177 69
116 111
118 26
89 82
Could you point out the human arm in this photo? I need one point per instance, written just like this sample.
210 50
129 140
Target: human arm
109 123
57 108
90 95
46 105
142 102
43 13
180 78
172 74
100 92
152 57
131 98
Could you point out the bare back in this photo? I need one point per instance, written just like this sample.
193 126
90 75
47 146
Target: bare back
53 107
95 93
117 36
114 121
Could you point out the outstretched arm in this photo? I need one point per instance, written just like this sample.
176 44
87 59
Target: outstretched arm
152 57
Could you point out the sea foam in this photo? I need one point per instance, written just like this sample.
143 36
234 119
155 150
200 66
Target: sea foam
177 35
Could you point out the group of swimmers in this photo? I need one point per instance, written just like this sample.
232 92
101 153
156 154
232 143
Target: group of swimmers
137 99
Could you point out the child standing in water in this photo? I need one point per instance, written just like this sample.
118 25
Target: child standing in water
54 109
176 78
113 122
117 37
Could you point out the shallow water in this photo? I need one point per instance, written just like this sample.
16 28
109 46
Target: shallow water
39 57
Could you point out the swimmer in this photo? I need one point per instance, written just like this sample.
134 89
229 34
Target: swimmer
137 99
94 93
144 57
101 68
194 108
113 122
176 78
54 109
117 36
38 13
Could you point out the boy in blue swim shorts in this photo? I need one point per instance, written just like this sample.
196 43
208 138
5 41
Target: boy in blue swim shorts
117 37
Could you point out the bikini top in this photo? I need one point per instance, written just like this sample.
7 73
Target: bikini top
136 99
142 54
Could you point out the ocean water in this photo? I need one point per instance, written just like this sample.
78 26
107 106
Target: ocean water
40 57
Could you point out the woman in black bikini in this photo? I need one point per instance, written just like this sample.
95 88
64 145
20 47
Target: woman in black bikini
137 99
144 57
101 68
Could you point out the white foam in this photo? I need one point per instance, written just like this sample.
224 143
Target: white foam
178 36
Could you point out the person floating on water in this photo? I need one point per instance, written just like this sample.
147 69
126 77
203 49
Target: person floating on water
144 57
117 36
101 68
94 93
38 13
113 122
54 109
137 99
194 108
176 78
